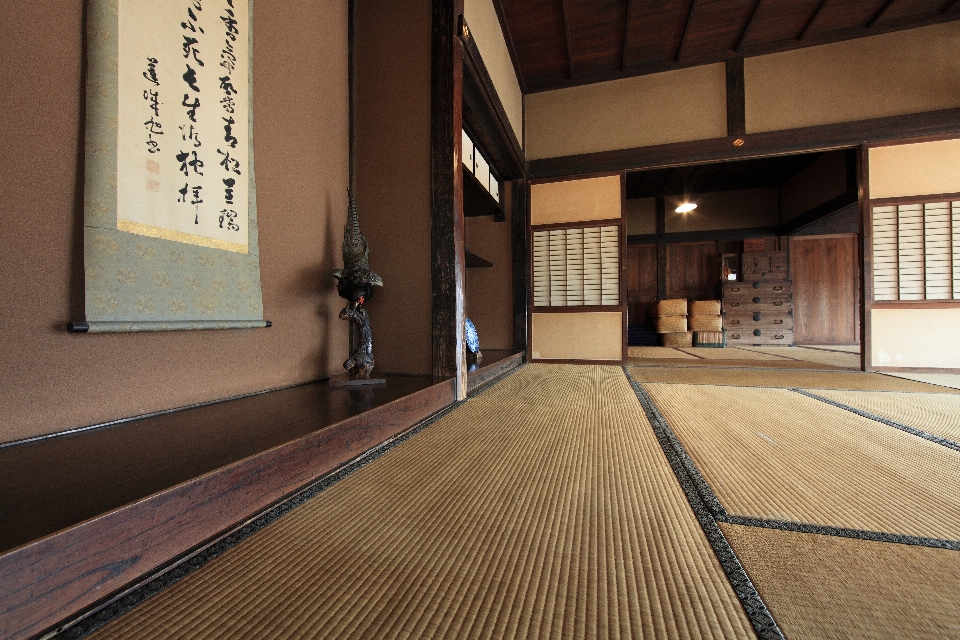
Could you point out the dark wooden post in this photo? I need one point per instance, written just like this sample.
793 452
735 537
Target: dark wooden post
446 195
521 269
736 99
661 248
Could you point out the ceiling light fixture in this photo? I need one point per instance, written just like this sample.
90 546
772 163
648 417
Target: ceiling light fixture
686 207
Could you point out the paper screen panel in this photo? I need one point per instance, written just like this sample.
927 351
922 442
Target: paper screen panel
885 278
576 266
170 220
915 251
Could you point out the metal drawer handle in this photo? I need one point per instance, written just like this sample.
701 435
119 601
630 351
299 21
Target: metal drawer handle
778 304
778 322
734 289
735 336
734 304
778 288
734 322
778 337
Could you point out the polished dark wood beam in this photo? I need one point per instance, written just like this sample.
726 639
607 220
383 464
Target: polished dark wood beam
447 265
511 45
686 31
626 36
661 230
746 29
566 35
736 98
879 14
812 20
521 266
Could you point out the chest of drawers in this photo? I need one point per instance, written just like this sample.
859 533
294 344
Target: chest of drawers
758 312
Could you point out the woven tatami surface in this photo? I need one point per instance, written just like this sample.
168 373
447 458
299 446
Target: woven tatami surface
938 414
772 363
543 507
829 587
727 353
662 353
777 454
818 356
788 379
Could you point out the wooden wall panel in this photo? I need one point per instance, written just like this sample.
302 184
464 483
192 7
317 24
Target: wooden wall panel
577 200
692 270
641 283
826 283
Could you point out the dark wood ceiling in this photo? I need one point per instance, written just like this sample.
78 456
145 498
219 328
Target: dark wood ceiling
562 43
722 176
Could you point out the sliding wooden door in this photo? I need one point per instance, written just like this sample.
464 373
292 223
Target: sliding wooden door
826 280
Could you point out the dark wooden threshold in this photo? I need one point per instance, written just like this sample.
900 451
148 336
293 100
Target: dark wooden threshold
495 364
273 445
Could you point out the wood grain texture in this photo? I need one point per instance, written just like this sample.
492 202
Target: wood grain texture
65 573
693 270
446 197
561 44
826 278
736 101
493 371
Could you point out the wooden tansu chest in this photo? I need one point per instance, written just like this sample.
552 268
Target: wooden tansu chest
764 265
758 312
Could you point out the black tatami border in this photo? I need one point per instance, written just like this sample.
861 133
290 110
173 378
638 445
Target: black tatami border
719 513
700 496
85 623
950 444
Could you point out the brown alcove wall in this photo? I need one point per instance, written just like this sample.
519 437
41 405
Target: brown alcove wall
52 381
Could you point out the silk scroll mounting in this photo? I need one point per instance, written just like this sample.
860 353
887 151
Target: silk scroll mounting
170 201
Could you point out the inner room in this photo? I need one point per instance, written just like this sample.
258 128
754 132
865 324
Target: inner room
709 232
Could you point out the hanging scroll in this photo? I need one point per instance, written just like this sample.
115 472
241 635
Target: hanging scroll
170 235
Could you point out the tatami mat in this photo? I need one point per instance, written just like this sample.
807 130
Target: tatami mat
844 348
543 507
951 380
727 353
779 378
773 363
819 356
658 353
779 455
938 414
827 587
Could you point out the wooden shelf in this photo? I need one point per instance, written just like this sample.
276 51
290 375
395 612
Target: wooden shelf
477 201
474 261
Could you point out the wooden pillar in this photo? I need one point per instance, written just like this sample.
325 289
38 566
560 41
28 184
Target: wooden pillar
866 261
736 98
521 269
661 248
446 196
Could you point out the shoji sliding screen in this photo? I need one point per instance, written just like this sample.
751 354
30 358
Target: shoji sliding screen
577 241
913 248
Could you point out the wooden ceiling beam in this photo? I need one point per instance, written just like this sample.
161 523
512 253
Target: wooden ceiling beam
746 29
626 36
686 30
879 14
813 18
950 4
566 34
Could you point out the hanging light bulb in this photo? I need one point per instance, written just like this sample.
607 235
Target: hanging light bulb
686 207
